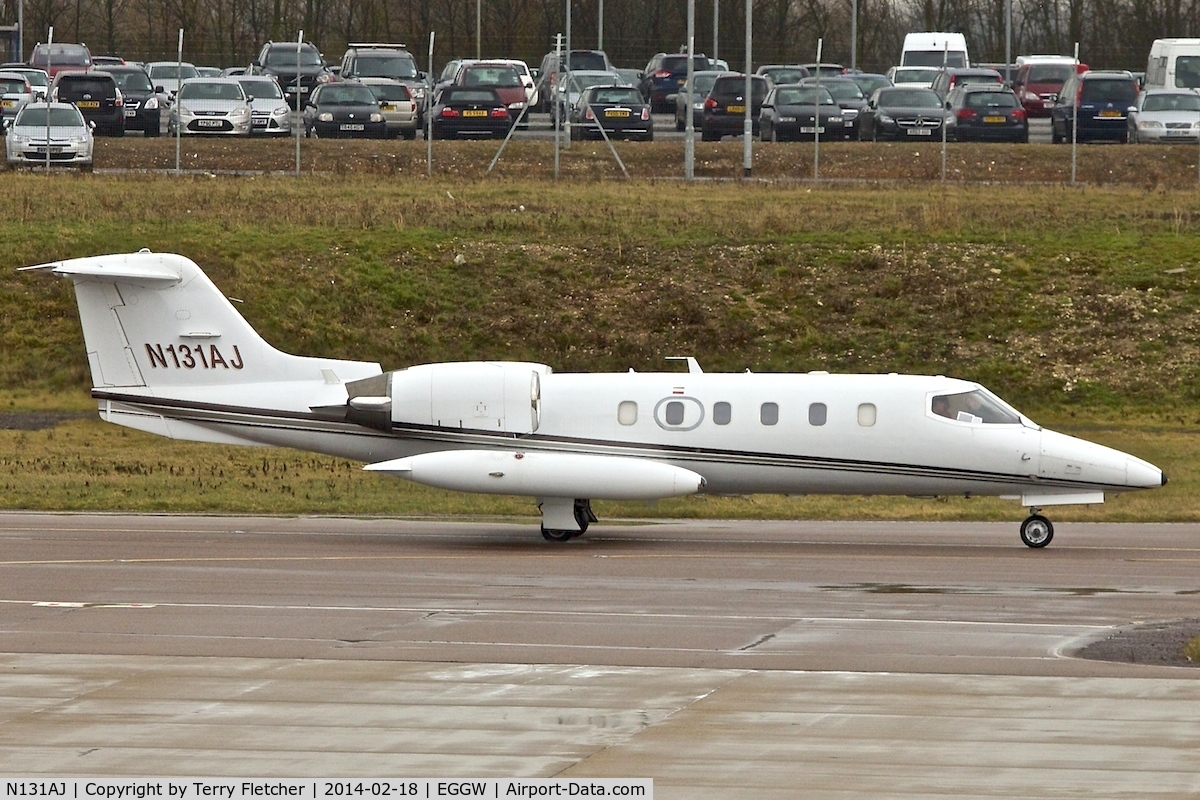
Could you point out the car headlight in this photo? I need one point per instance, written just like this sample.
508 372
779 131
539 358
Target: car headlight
850 113
1149 123
185 112
515 106
151 104
279 111
325 116
19 140
377 117
787 119
887 120
835 120
240 113
324 77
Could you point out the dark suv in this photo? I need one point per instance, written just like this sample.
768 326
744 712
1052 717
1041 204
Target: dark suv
725 106
665 75
297 73
385 61
142 110
1100 99
96 96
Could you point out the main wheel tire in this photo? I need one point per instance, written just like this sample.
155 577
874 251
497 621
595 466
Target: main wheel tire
559 536
1037 531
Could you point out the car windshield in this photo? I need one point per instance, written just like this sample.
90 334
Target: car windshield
346 94
285 56
504 77
1049 73
679 63
62 55
910 98
1121 90
1183 101
979 405
735 85
459 95
173 71
617 94
395 92
88 84
588 61
60 117
844 90
869 83
38 78
787 75
211 91
262 89
133 81
915 75
991 100
13 85
385 66
803 96
1187 72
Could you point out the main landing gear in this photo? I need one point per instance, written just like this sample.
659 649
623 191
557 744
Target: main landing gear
581 515
1036 531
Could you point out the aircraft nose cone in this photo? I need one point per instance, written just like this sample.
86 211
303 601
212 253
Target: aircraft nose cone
1143 475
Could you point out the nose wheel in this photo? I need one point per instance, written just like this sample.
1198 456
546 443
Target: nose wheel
1036 531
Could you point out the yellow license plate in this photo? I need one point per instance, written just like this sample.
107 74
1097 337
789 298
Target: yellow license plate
9 103
475 112
995 119
1110 112
387 107
88 104
616 112
735 109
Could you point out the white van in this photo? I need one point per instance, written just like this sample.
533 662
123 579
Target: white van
928 50
1173 64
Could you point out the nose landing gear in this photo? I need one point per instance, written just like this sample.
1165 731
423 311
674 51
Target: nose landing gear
1036 530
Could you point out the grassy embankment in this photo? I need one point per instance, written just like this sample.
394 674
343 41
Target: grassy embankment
1079 306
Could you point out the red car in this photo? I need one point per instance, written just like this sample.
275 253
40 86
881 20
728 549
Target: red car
504 78
1038 82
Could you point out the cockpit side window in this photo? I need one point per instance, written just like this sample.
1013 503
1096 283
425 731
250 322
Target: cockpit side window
977 406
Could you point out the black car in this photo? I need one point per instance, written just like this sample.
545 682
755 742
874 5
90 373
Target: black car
344 110
299 68
468 111
789 111
986 114
901 112
619 110
142 111
96 96
1101 100
848 95
665 75
725 106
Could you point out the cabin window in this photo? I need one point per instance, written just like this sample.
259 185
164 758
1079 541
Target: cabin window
866 415
722 413
627 412
674 413
768 414
978 406
818 414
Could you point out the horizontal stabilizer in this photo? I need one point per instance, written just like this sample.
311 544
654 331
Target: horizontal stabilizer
140 269
537 474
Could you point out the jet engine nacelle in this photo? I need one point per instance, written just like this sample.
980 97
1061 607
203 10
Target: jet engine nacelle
504 396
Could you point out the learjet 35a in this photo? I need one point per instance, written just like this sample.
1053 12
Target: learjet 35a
169 354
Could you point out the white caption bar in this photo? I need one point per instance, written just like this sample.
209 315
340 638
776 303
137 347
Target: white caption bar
324 788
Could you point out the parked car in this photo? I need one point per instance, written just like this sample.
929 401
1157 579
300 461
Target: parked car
1101 100
901 112
210 72
39 82
1165 115
554 63
346 109
571 85
383 60
270 113
15 92
96 96
948 79
848 96
725 106
167 75
986 114
704 81
1040 78
142 105
780 74
619 110
401 113
465 111
108 61
498 75
869 81
794 113
298 67
70 141
664 74
210 106
918 77
53 58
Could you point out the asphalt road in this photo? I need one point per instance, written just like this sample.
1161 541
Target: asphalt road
722 659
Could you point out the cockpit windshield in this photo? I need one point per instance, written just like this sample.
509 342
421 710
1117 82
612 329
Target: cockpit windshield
975 406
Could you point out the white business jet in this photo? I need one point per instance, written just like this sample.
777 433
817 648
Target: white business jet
169 354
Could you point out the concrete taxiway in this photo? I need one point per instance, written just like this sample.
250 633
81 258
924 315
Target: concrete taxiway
723 659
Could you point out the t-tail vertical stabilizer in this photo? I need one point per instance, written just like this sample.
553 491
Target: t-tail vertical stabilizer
164 344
